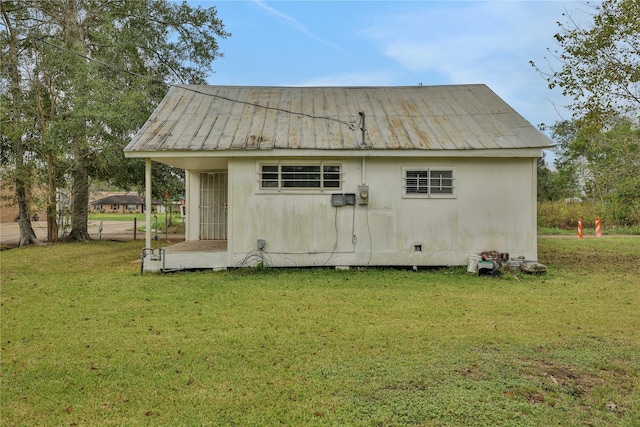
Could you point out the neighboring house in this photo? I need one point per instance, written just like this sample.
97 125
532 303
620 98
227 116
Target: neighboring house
9 205
119 203
345 176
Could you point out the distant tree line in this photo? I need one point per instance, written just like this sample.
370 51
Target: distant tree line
598 148
78 79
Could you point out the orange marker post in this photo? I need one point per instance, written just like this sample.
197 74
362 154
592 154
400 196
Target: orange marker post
598 228
579 228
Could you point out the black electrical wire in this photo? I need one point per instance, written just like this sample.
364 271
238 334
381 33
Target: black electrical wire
369 229
352 125
335 246
255 258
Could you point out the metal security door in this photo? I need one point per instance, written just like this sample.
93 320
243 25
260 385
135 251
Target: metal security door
213 206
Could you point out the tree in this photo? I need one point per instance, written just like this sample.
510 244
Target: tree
549 184
603 170
600 63
107 64
13 125
612 166
568 162
600 73
43 97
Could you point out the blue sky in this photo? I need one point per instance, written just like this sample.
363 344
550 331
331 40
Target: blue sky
396 43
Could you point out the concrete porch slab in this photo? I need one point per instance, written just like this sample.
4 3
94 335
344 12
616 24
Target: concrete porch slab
194 255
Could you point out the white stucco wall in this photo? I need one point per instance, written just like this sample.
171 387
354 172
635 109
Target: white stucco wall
493 209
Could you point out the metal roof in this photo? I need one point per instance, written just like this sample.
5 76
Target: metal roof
196 118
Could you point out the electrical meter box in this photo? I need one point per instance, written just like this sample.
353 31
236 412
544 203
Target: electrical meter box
363 194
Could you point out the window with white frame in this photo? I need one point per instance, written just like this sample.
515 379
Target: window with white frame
425 182
294 176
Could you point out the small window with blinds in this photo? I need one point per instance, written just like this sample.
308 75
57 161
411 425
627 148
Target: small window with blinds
423 182
291 176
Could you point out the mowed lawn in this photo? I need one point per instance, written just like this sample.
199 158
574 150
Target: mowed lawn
87 340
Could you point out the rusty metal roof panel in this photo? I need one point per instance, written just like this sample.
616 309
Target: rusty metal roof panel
453 117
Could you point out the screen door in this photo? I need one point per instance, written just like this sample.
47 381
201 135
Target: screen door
213 206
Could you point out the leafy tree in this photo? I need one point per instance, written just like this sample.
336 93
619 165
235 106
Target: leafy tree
601 166
549 183
568 162
13 121
600 72
105 64
613 170
600 63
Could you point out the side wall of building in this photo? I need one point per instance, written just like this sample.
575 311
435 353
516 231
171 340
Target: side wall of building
493 208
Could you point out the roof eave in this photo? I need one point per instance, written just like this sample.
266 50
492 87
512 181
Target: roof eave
490 152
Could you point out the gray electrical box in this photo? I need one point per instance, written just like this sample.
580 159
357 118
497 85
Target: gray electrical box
347 199
363 194
337 200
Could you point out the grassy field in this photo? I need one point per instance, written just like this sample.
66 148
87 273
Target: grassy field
588 231
87 340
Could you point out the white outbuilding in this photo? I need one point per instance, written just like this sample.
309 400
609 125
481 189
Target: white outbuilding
344 176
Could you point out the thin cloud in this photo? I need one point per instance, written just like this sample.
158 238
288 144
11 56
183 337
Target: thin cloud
426 40
450 43
294 23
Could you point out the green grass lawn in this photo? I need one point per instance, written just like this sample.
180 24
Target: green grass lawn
121 216
176 217
87 340
588 231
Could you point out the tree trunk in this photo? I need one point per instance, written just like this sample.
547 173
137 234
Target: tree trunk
52 223
79 192
48 152
27 235
74 34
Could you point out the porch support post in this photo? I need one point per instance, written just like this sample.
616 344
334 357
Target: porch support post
147 203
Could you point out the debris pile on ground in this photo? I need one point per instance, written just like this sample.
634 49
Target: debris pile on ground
533 268
491 263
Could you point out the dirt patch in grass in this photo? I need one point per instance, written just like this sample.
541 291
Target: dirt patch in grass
591 255
554 383
552 375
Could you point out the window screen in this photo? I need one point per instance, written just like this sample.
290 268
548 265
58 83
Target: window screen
292 176
428 182
440 182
